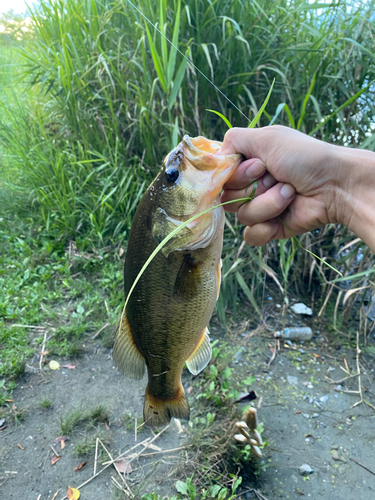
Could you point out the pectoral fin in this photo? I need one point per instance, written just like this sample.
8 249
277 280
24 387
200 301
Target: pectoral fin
201 356
125 353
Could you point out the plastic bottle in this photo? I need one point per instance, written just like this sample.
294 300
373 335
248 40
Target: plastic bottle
295 333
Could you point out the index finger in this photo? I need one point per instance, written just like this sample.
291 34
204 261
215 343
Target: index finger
246 173
239 140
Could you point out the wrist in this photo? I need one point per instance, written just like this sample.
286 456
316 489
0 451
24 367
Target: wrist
354 193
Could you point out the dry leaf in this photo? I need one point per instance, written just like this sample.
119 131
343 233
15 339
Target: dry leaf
316 355
14 407
80 466
121 251
55 459
350 292
60 438
62 444
72 494
3 427
70 367
44 353
123 466
54 365
19 446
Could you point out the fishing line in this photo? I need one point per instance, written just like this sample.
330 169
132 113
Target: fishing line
188 60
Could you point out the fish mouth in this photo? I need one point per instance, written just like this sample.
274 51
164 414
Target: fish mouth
195 147
201 154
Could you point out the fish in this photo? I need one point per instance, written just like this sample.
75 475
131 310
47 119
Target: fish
165 321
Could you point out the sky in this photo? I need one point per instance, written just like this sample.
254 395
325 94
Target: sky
18 6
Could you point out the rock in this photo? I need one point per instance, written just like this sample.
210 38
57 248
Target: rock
335 447
306 415
324 399
341 469
305 470
336 456
316 415
301 308
292 380
322 424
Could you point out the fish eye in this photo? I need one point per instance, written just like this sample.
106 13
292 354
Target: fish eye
172 174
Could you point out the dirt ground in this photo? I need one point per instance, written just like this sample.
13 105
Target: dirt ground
308 419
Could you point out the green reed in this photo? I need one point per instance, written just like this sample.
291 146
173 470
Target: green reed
104 97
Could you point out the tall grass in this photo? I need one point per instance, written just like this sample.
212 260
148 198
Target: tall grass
108 97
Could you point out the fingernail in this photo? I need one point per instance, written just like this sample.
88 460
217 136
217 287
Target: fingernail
268 181
287 191
255 170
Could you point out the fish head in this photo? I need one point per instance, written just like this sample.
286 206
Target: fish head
189 183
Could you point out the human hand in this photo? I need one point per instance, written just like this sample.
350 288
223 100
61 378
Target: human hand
302 180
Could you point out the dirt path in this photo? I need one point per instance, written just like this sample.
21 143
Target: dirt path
306 421
94 381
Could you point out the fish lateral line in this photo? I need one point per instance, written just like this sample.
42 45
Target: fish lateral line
160 374
158 356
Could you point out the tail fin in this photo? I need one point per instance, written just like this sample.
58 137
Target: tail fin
157 411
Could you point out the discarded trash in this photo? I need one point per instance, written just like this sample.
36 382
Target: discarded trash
324 399
301 308
296 333
305 470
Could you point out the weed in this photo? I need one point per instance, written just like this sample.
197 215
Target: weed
13 413
81 416
217 384
45 404
86 445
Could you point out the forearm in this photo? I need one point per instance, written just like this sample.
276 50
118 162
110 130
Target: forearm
355 192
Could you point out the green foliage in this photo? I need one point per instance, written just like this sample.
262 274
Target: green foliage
108 96
45 404
188 491
81 416
217 384
42 283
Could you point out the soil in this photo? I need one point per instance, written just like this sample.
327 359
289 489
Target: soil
307 420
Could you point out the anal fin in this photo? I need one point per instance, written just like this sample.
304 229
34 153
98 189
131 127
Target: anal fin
201 356
125 353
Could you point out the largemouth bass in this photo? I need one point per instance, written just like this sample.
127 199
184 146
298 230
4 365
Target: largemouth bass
165 322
